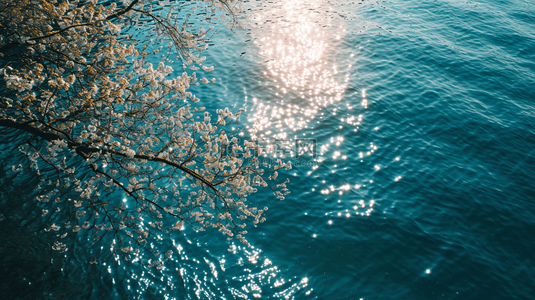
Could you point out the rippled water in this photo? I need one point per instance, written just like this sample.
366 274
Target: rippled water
424 117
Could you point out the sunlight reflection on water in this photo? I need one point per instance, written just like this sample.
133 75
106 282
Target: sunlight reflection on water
310 80
295 50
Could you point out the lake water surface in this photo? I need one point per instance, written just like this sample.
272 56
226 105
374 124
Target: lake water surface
423 115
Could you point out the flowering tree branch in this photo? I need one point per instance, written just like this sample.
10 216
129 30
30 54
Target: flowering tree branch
102 123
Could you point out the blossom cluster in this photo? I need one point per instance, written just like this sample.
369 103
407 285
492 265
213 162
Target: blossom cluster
102 121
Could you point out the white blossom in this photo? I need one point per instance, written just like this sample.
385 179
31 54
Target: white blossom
105 121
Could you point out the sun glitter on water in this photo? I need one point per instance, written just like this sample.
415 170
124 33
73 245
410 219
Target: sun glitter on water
295 50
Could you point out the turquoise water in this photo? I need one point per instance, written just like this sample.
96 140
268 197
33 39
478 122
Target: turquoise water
423 113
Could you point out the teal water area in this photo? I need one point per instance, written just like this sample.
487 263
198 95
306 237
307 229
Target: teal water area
422 188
